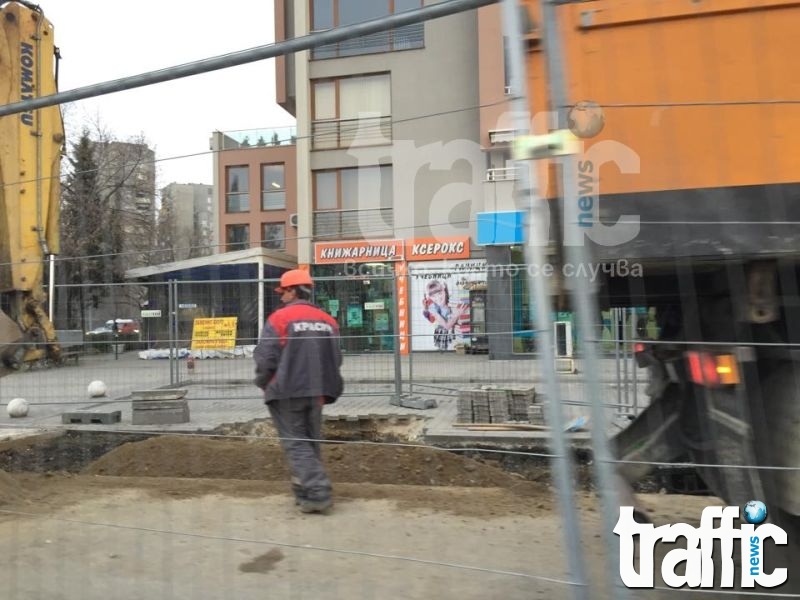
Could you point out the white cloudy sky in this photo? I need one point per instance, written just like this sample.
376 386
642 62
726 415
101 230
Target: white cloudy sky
102 40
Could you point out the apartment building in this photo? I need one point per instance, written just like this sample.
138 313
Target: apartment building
389 169
186 221
255 174
126 180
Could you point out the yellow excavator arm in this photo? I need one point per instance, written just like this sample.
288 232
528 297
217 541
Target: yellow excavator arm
31 144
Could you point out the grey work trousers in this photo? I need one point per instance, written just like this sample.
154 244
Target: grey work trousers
299 425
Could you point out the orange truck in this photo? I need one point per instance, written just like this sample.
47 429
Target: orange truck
694 181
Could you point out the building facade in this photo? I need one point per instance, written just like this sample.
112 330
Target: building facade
388 162
255 183
402 146
127 178
187 221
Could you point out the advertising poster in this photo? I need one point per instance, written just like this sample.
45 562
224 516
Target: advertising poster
439 302
355 317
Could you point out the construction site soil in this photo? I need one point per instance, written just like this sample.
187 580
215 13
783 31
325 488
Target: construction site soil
248 460
410 521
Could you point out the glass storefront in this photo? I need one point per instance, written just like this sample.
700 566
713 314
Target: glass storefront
523 337
622 323
362 304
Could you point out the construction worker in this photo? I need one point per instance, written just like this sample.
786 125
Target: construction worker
297 364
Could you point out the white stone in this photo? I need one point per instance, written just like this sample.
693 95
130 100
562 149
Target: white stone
18 407
97 389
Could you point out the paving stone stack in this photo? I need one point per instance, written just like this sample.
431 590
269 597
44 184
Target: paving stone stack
536 414
486 404
498 400
520 399
480 407
464 405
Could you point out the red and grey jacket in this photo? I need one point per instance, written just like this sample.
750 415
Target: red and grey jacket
298 354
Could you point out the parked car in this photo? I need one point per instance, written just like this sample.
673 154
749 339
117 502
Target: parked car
124 326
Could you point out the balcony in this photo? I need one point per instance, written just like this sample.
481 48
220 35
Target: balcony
408 37
347 133
504 174
259 138
353 224
501 136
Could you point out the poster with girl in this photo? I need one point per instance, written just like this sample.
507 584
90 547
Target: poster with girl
440 310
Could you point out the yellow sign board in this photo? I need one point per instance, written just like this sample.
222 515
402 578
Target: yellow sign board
214 333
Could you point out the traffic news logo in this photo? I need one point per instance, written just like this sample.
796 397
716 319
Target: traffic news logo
698 554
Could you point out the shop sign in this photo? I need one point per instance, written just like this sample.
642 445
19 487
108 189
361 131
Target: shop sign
401 270
450 248
373 305
358 251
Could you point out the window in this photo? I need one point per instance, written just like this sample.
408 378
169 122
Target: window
237 237
326 14
353 202
237 198
273 236
273 187
352 111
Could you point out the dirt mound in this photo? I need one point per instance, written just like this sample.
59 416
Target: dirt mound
11 491
199 457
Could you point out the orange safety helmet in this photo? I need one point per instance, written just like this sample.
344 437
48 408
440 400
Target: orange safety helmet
293 278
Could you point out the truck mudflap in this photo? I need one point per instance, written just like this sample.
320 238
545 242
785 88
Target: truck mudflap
740 437
777 440
720 429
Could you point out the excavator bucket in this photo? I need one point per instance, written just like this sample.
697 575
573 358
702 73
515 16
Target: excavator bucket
10 334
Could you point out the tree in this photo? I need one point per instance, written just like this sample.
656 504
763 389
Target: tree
276 141
83 239
107 224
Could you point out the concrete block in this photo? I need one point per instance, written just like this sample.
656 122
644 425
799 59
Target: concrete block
175 394
160 412
84 417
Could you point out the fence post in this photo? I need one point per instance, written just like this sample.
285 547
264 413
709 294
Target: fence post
410 321
577 253
170 302
537 219
626 324
633 366
398 365
616 327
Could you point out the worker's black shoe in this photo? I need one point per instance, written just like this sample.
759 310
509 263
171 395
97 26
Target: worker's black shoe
316 506
299 491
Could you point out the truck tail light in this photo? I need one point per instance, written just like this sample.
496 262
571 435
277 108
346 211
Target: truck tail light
642 355
710 369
